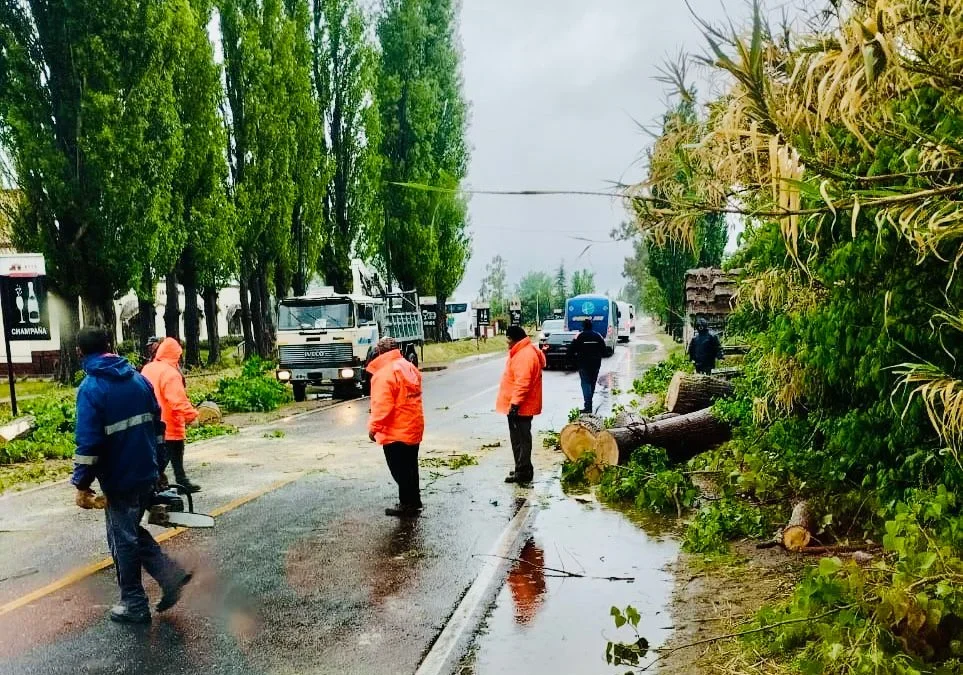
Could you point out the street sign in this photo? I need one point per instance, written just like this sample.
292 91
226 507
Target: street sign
23 305
515 317
482 315
24 302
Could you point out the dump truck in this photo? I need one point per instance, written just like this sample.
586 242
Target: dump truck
326 338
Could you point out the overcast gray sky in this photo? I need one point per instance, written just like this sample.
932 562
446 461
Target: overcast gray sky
555 88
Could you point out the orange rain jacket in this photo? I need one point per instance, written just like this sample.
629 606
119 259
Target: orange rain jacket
397 415
522 380
176 410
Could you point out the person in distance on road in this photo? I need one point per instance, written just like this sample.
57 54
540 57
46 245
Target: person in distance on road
520 398
176 408
704 348
118 424
587 349
397 421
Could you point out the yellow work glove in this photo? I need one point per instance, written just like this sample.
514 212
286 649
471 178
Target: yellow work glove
86 499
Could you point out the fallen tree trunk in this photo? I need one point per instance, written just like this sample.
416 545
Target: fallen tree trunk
688 392
578 437
682 436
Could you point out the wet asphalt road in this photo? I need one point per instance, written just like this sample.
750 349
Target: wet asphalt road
309 577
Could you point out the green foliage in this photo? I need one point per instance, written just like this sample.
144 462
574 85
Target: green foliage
494 288
574 414
583 281
626 653
274 433
648 482
345 80
720 521
206 431
900 615
453 462
254 390
53 437
423 120
574 473
535 291
656 378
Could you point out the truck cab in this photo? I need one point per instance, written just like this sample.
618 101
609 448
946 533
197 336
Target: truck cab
327 338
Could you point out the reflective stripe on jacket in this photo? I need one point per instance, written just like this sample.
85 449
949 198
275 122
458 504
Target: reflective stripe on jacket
118 421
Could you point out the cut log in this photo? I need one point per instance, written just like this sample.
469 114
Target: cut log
688 393
209 412
682 436
799 531
18 428
578 437
627 419
727 373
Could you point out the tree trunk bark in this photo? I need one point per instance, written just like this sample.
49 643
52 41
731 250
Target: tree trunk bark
192 318
69 362
146 311
247 319
441 318
267 325
688 393
579 437
172 309
210 317
683 437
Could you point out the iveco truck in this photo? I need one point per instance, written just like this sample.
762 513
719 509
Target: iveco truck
326 338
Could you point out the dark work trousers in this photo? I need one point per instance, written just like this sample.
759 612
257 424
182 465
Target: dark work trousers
174 451
133 549
520 432
589 379
403 463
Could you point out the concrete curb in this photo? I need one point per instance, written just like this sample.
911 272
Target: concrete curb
449 647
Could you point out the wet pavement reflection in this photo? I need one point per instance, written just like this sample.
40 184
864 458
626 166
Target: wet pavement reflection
546 622
526 579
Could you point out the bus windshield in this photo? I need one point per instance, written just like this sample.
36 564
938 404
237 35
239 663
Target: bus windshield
337 314
457 307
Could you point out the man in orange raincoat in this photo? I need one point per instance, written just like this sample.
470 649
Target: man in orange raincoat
397 421
176 409
520 397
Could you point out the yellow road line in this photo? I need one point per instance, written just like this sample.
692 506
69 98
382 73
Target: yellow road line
88 570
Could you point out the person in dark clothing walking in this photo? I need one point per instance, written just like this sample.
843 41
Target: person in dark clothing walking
704 348
587 349
117 431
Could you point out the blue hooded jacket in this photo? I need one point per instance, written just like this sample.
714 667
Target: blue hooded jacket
118 423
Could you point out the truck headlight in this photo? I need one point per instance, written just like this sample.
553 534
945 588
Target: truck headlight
347 373
284 375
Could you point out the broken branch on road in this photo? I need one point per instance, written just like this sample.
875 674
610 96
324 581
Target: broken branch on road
559 572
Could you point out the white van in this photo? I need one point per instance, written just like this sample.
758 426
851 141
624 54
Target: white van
626 320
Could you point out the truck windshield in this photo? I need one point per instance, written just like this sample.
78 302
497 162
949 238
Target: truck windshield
319 316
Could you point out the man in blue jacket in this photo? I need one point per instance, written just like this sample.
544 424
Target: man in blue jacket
117 431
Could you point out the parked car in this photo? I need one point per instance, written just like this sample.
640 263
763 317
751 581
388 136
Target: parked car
558 349
549 327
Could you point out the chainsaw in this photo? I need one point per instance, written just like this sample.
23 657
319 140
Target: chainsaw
167 509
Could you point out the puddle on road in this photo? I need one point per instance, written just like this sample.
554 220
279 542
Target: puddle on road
544 622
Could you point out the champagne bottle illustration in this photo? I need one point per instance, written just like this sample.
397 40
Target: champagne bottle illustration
33 307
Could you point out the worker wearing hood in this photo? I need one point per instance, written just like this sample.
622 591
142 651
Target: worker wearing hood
176 409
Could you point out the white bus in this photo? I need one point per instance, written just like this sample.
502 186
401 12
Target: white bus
461 320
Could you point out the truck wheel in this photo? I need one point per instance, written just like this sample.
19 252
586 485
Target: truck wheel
300 392
412 356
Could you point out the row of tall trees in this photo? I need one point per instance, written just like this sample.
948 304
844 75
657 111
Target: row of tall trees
656 268
207 142
540 292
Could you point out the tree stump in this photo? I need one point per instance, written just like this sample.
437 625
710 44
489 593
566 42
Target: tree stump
688 392
682 436
578 437
209 412
799 531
